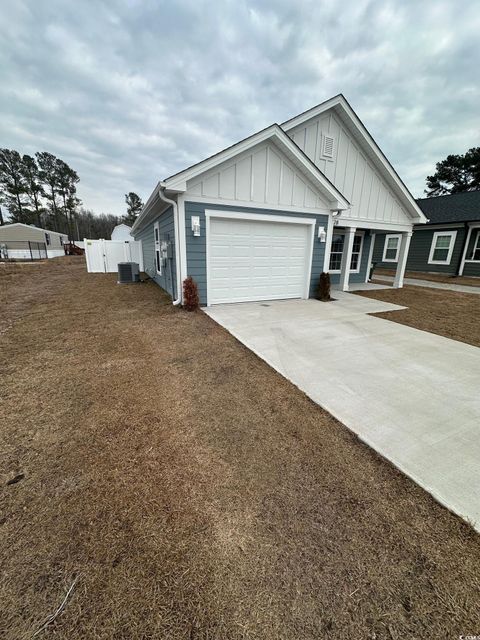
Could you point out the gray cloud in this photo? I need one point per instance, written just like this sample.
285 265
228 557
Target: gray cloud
131 91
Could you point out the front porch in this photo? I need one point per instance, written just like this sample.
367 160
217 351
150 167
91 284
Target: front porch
349 254
363 286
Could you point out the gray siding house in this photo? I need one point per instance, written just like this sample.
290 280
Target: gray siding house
449 243
263 218
17 240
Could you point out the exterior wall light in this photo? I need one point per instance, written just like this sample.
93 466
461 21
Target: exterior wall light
322 234
196 225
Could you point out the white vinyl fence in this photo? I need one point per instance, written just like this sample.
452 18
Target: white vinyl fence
103 256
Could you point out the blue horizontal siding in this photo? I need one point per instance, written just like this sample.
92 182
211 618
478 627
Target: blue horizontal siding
167 232
419 251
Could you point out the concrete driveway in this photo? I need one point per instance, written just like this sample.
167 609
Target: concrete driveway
411 395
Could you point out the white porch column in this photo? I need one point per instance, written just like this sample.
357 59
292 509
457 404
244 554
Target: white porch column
370 256
346 257
402 259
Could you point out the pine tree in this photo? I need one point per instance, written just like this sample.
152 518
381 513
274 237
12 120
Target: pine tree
12 183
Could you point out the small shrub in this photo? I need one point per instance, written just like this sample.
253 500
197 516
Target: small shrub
323 289
190 294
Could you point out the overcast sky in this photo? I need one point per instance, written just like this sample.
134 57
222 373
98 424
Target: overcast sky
131 91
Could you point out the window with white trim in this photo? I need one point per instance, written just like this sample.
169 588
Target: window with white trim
391 247
336 251
158 254
47 239
356 253
442 247
476 249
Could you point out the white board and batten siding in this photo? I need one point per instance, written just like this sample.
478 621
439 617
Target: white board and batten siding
262 176
349 168
103 256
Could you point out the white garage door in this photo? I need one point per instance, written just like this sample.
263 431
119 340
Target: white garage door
256 260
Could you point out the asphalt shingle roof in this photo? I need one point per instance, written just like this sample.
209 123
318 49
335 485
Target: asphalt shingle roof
459 207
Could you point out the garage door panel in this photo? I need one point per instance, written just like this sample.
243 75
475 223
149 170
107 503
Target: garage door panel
240 251
256 260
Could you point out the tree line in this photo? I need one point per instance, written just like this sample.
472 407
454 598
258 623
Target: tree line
42 190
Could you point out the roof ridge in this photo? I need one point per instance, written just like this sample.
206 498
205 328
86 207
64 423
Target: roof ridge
450 195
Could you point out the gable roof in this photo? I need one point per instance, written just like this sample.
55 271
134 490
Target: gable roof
31 226
177 183
456 207
273 132
343 109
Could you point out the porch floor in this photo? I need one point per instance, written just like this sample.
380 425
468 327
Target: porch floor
362 286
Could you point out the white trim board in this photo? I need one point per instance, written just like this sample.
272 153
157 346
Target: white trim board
255 205
359 223
370 256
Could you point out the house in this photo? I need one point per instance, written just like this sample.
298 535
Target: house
264 217
449 243
24 241
121 232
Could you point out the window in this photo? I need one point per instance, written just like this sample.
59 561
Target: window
47 238
158 256
356 253
336 252
61 240
476 249
442 247
391 248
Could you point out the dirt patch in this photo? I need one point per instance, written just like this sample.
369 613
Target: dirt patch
432 277
451 314
196 492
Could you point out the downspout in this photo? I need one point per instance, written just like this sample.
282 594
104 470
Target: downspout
176 224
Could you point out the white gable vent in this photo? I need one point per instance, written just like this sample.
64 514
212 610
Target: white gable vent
328 146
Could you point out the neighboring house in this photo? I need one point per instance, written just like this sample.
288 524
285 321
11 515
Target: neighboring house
263 218
19 240
449 243
121 232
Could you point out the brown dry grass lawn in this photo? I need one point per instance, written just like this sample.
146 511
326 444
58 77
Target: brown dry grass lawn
195 492
451 314
433 277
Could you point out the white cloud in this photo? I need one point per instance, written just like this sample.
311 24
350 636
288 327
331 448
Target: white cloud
129 92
